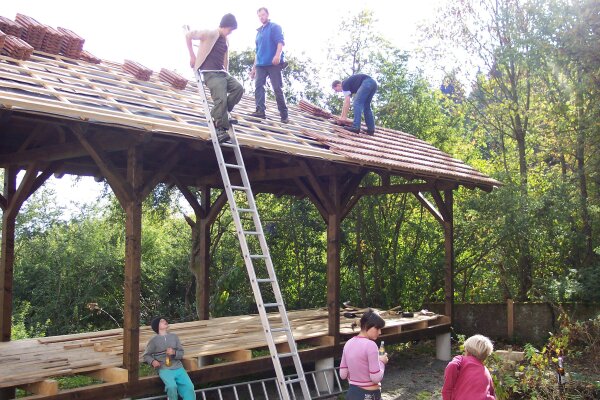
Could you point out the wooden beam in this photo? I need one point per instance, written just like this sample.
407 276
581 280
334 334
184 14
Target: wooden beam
47 387
313 198
133 232
23 192
429 207
449 256
405 188
189 196
169 161
441 204
217 206
317 186
351 186
112 375
43 177
510 318
3 202
7 256
120 186
333 260
203 276
349 206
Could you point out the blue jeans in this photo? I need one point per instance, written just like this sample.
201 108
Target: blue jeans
274 74
357 393
177 380
362 103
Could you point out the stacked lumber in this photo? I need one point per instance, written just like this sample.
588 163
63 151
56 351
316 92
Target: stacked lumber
313 110
72 45
52 41
175 80
89 57
138 70
10 27
16 48
33 32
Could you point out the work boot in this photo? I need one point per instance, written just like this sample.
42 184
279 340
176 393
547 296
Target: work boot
258 114
352 129
285 120
222 135
371 132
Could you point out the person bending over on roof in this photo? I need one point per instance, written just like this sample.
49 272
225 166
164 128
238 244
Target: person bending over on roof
466 377
363 87
361 363
212 60
164 352
268 62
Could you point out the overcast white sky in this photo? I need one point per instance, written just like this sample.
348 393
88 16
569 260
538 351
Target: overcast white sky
151 32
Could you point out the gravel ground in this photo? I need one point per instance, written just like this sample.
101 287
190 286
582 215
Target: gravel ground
414 373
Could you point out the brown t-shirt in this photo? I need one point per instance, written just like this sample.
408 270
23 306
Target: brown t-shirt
214 60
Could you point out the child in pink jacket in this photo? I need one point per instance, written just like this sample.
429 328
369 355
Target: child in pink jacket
466 378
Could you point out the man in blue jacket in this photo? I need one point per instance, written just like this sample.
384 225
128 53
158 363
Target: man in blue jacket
268 62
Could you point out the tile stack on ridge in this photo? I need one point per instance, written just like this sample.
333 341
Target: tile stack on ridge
10 27
72 44
175 80
137 70
89 57
52 41
17 48
314 110
33 32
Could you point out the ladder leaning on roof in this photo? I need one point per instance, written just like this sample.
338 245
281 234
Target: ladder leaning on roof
258 259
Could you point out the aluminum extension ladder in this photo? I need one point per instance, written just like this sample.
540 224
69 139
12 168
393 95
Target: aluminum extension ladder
249 232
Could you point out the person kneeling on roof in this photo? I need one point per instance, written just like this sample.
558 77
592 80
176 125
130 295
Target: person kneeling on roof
164 352
212 61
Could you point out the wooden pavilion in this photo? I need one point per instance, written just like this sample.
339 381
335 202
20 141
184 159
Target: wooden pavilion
60 115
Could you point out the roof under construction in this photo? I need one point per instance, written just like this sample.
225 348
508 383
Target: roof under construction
130 96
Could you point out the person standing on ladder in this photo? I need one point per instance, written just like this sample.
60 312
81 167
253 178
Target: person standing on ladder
269 62
212 61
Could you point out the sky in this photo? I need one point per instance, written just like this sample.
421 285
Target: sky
151 33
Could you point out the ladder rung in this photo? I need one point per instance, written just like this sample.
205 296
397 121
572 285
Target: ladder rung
276 330
265 280
227 144
258 256
239 187
247 210
233 166
251 233
271 305
284 355
295 380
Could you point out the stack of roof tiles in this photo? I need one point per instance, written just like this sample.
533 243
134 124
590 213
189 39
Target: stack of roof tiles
10 27
138 70
33 32
314 110
72 44
52 41
16 48
89 57
175 80
2 38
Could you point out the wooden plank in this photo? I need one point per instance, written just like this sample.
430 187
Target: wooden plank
7 256
111 375
333 260
47 387
237 355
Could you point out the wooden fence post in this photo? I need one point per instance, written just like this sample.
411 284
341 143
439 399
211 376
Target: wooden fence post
510 318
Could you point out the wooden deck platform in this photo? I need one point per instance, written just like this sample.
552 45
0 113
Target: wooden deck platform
34 361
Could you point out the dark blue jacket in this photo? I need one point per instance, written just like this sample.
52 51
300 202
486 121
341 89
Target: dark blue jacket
267 38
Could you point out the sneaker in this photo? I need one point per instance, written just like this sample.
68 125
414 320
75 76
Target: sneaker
352 129
258 114
370 132
285 120
222 135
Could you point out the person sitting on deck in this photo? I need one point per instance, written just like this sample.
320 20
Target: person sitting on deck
363 87
466 378
361 363
212 61
164 352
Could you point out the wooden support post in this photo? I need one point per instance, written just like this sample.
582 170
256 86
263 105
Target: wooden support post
133 235
333 260
510 317
203 277
449 255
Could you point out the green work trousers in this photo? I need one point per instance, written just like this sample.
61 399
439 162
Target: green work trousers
225 92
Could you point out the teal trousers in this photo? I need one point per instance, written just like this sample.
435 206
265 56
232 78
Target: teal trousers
177 380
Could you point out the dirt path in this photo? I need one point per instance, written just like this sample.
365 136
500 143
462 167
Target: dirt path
414 373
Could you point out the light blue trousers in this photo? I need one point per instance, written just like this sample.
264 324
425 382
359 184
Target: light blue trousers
177 380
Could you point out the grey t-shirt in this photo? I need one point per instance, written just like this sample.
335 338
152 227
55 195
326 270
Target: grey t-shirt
214 59
157 347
